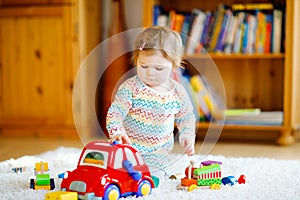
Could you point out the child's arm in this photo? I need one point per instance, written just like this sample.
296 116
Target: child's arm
117 112
186 122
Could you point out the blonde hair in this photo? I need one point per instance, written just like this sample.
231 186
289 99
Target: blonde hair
160 38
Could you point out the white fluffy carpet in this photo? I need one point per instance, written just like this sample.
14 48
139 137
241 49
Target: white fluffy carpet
266 178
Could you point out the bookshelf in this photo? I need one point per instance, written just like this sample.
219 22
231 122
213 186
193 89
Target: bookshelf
254 80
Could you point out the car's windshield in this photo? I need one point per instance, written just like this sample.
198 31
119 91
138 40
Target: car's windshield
95 158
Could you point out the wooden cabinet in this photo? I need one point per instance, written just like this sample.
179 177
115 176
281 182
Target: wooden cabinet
267 81
38 62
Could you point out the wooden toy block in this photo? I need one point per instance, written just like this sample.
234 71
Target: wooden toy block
61 195
41 167
187 182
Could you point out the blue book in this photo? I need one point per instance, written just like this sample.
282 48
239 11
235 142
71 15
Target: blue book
206 27
156 13
245 36
222 34
186 28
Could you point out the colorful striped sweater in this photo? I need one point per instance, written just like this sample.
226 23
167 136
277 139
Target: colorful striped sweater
148 118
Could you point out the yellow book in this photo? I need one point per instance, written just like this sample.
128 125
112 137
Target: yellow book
206 102
179 18
260 33
253 6
219 20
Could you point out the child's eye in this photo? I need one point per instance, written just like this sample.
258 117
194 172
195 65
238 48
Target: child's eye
144 66
159 68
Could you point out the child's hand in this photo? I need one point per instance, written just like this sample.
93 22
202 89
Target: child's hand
188 145
123 138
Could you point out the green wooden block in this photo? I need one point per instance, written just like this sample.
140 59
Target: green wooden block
42 179
208 182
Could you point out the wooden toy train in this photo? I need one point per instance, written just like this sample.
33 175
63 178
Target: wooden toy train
208 174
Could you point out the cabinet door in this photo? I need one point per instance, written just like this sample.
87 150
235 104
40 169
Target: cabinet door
37 47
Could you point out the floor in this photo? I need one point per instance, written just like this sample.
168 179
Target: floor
14 147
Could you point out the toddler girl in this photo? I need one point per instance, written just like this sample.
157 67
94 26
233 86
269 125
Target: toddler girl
147 106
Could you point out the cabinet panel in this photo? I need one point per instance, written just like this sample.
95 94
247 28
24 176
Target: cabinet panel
253 83
38 67
31 2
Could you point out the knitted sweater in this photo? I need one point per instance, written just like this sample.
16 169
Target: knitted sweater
148 118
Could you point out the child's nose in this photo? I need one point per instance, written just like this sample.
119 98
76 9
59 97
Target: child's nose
150 71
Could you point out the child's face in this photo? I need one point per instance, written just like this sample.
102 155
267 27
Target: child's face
153 69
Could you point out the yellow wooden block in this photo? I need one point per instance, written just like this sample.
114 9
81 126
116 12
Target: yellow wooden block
42 187
41 167
61 195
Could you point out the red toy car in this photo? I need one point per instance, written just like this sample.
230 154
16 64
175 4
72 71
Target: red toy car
108 171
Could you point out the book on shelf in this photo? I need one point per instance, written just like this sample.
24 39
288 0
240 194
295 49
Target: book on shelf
237 44
171 19
204 38
252 25
223 31
277 29
242 111
229 41
186 27
269 27
240 28
196 30
162 20
260 32
252 6
216 29
156 14
255 117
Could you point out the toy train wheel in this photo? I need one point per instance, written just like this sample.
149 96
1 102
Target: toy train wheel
192 187
144 188
32 185
52 184
215 187
112 192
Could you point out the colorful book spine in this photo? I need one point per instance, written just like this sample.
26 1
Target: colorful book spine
206 27
269 22
186 27
178 23
277 29
260 32
196 31
239 33
242 111
171 19
251 34
223 31
245 35
156 13
219 15
228 48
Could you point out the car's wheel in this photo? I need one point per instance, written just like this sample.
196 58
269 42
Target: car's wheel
32 185
144 188
52 184
112 192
